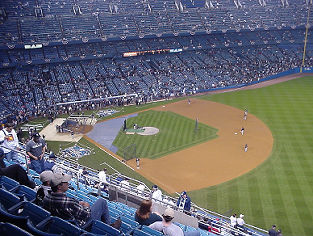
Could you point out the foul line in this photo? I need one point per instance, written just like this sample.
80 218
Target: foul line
103 149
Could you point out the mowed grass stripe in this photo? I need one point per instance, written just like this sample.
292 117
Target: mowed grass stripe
176 133
285 179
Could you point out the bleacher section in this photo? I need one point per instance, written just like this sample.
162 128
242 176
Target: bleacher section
17 207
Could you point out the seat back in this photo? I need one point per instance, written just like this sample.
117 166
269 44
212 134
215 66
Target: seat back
8 183
138 232
8 199
55 225
99 227
29 193
35 213
129 221
150 231
7 229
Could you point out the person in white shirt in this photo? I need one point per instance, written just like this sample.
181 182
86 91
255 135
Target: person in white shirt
233 220
157 194
140 188
125 184
103 176
240 221
8 138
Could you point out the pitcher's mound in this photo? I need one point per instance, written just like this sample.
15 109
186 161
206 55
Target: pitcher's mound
149 131
144 131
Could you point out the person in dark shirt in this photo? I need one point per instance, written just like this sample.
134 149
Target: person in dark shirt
144 215
272 231
15 172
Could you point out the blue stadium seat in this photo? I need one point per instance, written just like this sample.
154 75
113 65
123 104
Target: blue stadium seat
35 213
98 227
55 225
150 231
25 191
131 222
138 232
8 217
8 183
7 229
125 228
8 199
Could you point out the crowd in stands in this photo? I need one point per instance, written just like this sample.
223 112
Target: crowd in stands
62 21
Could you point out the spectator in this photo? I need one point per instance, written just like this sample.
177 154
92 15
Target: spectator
35 149
8 139
272 231
71 209
233 220
144 215
279 233
140 188
240 222
125 184
16 172
45 177
184 201
168 228
156 194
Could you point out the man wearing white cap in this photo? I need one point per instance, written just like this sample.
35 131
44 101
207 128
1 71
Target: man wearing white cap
168 228
45 177
71 209
240 221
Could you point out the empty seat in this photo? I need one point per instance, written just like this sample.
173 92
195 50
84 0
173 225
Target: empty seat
150 231
7 229
55 225
129 221
138 232
8 183
25 191
35 213
8 199
98 227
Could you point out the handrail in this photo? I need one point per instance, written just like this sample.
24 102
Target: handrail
23 153
146 193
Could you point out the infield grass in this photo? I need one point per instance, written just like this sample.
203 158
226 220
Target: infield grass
280 191
176 132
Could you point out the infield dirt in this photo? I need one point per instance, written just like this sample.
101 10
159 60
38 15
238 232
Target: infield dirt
215 161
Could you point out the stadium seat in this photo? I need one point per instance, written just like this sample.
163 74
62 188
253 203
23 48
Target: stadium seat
25 191
8 217
150 231
55 225
35 213
8 199
7 229
131 222
98 227
125 228
8 183
138 232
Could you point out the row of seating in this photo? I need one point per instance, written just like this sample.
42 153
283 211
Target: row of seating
17 207
136 18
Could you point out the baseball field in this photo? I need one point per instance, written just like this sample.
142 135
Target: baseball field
270 184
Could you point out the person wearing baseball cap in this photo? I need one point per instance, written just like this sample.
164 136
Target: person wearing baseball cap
67 208
35 149
168 228
45 177
9 141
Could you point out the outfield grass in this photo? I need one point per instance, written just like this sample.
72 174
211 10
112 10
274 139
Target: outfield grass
176 132
280 191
